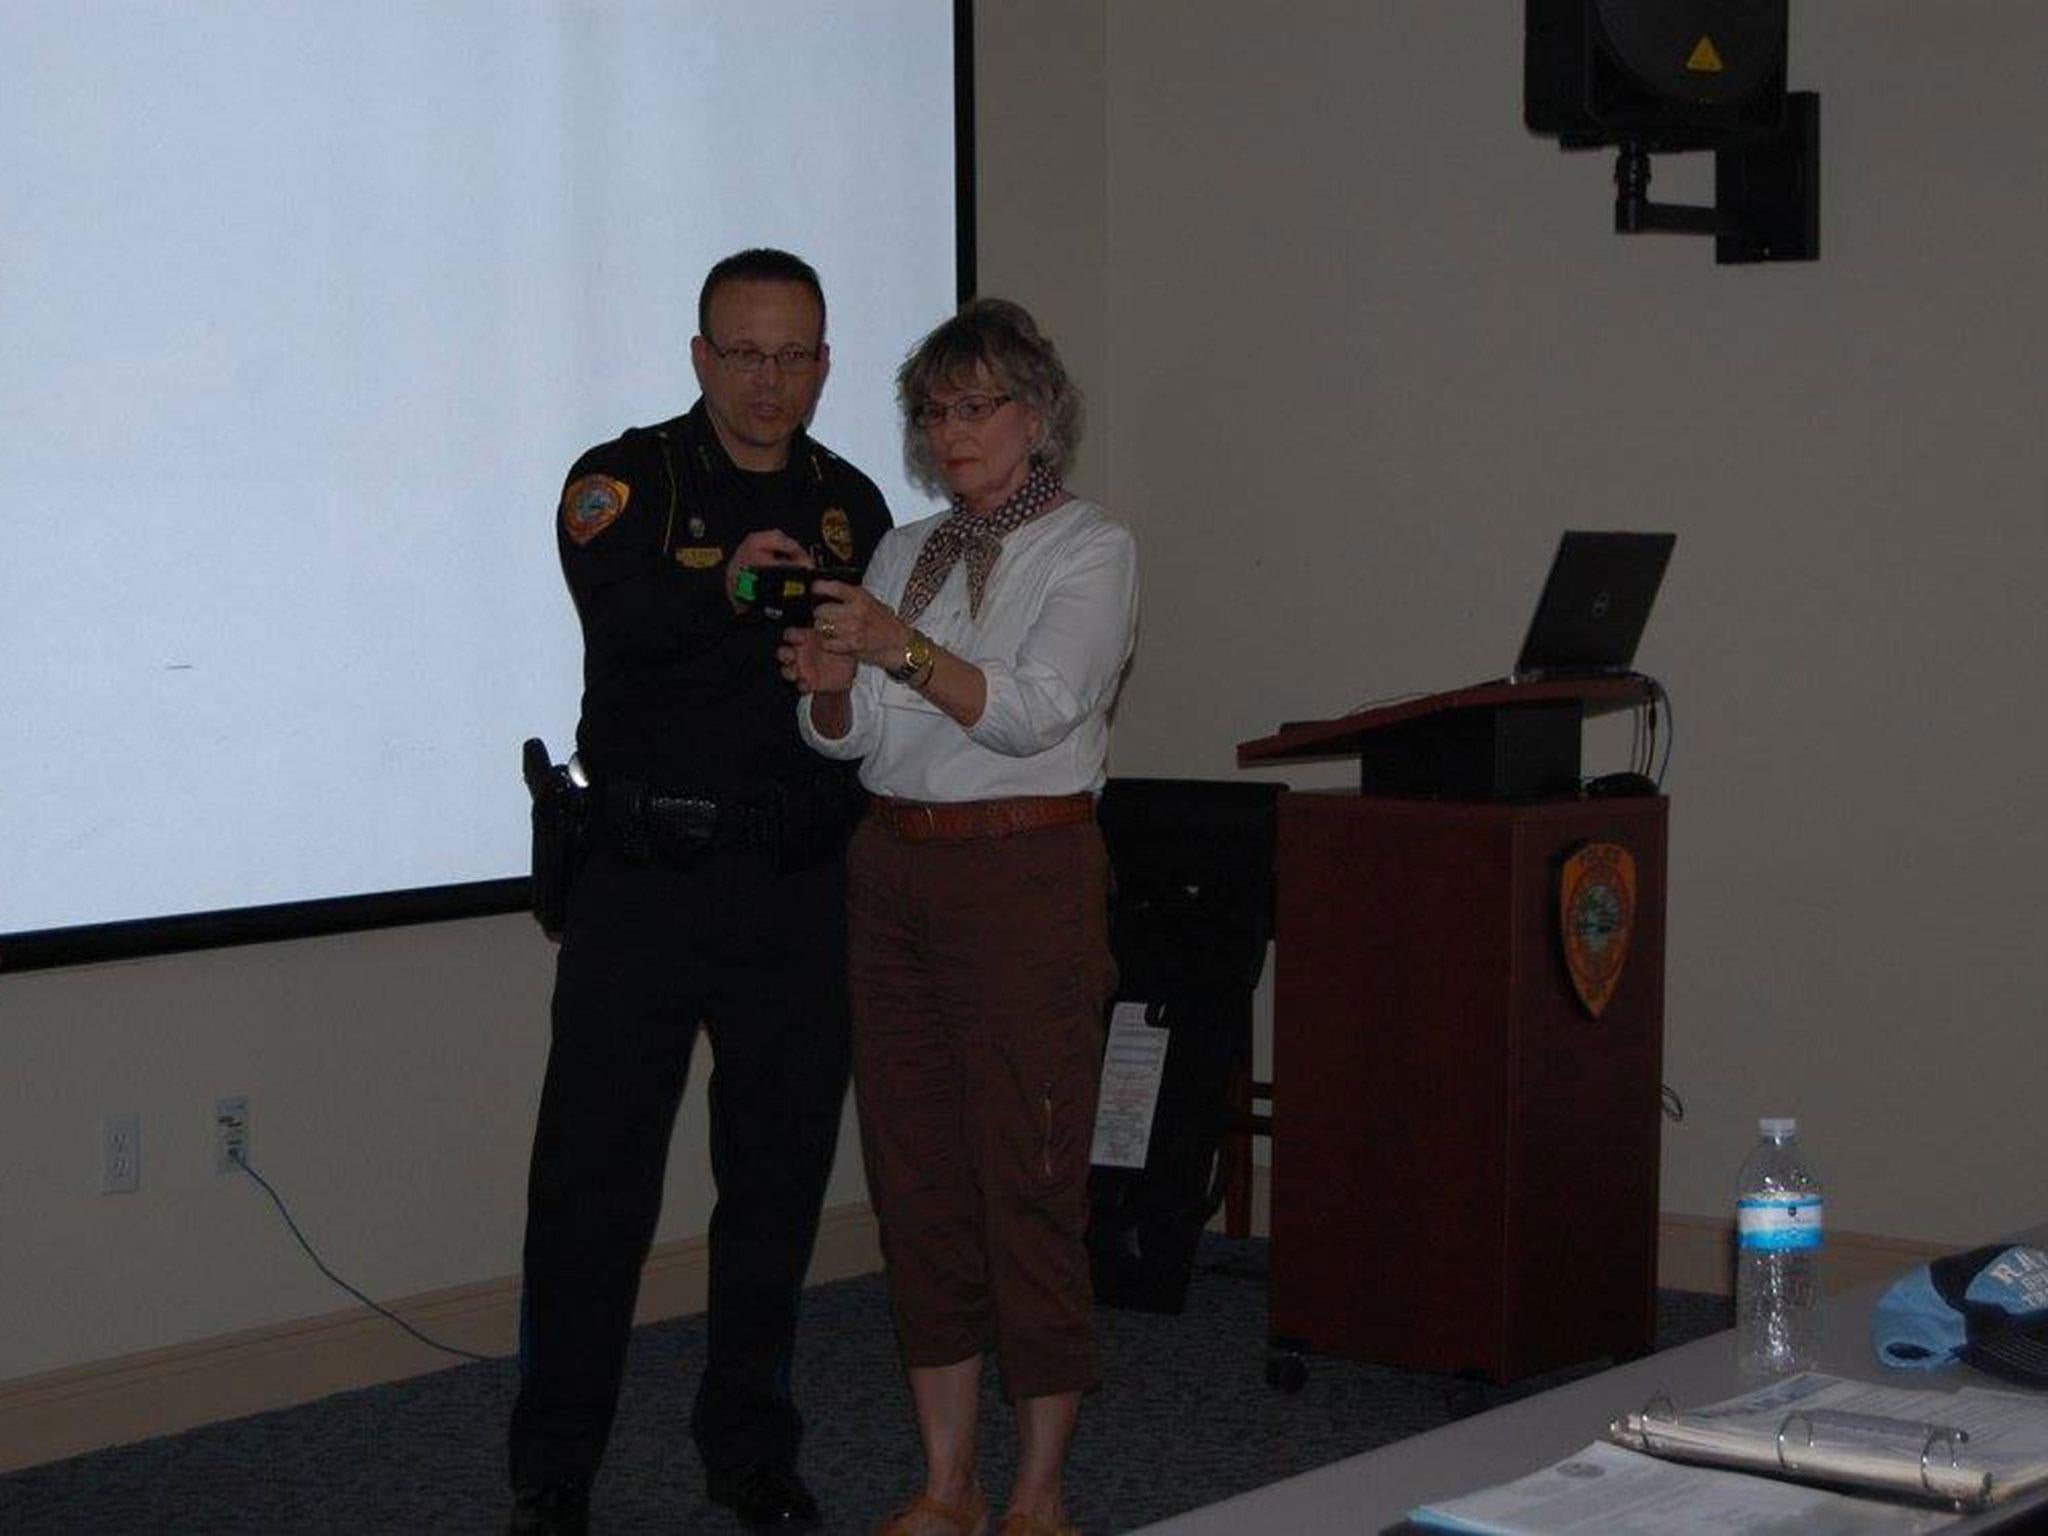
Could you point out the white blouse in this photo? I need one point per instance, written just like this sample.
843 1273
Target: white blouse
1057 623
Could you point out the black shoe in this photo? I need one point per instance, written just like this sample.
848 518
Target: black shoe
560 1509
767 1497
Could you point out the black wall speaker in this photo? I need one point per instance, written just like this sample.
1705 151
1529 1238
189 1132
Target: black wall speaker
1666 75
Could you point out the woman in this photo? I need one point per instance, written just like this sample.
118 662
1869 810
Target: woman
973 674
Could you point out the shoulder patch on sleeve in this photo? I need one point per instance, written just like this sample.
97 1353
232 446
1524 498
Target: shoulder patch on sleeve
591 504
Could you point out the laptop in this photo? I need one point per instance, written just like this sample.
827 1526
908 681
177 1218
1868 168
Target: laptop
1595 603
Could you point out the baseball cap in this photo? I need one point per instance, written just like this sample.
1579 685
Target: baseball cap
1987 1307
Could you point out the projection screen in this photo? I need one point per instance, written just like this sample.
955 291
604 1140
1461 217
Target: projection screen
306 308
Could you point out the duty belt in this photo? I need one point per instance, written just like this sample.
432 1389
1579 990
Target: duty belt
647 823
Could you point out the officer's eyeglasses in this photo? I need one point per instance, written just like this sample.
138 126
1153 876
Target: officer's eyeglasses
750 359
966 408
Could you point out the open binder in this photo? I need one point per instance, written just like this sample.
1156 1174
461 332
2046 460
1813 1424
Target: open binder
1808 1452
1899 1456
1965 1449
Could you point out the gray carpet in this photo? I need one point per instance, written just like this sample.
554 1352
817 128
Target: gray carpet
1186 1418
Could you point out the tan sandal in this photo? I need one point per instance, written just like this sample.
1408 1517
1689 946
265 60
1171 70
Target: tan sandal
918 1516
1017 1523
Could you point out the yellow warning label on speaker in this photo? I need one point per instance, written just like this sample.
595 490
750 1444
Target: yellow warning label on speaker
1706 58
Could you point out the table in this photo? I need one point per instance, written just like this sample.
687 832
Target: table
1375 1490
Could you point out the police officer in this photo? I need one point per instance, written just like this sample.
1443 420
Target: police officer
710 888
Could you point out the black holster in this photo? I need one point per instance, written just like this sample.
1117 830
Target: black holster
559 821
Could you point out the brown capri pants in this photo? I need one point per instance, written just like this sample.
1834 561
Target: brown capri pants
980 969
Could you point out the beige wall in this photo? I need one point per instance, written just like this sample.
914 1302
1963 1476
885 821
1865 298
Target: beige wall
1043 216
1357 347
1370 346
392 1080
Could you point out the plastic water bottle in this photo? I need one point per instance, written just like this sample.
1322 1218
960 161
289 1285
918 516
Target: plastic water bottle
1778 1211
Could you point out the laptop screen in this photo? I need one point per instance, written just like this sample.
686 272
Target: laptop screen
1595 603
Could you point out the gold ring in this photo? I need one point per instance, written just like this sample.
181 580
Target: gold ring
827 628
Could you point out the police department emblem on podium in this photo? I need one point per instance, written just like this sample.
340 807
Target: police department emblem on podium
1596 913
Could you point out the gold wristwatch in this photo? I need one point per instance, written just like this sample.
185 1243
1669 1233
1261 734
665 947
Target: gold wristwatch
918 655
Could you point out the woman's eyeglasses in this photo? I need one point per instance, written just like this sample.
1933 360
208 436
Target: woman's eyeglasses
966 408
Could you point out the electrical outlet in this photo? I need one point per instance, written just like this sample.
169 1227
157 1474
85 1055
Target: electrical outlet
120 1153
230 1133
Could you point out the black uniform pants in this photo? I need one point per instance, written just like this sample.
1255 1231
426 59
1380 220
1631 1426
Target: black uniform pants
647 952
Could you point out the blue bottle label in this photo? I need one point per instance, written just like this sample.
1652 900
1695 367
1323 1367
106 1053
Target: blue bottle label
1778 1223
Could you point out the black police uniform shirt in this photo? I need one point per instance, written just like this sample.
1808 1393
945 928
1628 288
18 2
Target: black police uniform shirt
679 691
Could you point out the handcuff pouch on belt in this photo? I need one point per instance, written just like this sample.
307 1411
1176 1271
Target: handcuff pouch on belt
678 830
559 825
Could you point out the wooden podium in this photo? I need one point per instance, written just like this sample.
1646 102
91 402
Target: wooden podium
1464 1155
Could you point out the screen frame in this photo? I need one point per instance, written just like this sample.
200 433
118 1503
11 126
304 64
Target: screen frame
46 948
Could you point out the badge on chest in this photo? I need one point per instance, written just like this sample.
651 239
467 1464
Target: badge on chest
835 528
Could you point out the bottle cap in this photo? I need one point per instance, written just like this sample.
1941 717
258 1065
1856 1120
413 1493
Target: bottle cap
1777 1127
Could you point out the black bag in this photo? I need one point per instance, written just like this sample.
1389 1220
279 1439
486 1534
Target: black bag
1190 916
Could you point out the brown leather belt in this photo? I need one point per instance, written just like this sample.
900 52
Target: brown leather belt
960 821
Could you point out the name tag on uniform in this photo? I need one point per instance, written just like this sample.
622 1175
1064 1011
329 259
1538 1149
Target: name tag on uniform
700 557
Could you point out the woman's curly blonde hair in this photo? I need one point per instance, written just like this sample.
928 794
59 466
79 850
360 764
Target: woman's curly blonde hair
1002 337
